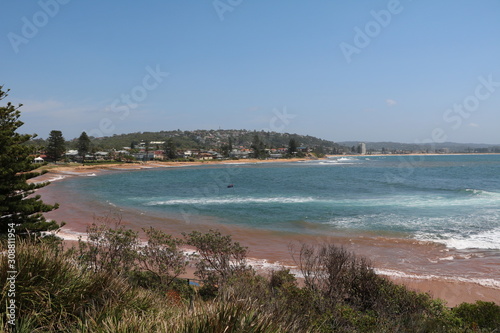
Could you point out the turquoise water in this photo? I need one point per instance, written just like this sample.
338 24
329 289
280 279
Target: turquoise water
452 199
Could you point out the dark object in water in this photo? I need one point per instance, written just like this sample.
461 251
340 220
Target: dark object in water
230 186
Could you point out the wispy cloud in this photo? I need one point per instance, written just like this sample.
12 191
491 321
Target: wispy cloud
390 102
473 125
40 106
41 116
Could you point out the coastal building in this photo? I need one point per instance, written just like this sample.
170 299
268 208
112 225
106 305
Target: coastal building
362 148
72 154
101 155
205 156
239 153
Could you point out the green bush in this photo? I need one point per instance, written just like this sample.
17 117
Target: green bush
479 315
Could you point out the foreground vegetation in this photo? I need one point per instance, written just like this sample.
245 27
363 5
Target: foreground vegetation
113 283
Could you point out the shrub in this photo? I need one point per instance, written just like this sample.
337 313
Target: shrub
219 257
338 275
479 315
107 248
162 256
341 294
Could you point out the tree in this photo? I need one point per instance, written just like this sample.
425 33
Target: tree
170 149
227 148
18 209
84 145
258 147
292 146
319 151
56 146
146 151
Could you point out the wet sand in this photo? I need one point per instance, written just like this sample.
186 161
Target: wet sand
405 261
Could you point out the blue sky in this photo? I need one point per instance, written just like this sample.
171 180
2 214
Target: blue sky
407 71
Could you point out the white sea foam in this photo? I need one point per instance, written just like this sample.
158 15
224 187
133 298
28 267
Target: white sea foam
478 192
491 283
72 173
230 200
52 179
344 159
489 240
56 178
335 162
240 163
266 266
72 235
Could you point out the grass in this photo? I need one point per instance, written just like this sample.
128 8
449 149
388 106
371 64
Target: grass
56 294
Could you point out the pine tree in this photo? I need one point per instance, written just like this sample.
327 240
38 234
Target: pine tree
258 147
56 146
18 209
84 145
170 149
292 146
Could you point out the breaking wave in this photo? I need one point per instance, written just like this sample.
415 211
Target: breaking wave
224 201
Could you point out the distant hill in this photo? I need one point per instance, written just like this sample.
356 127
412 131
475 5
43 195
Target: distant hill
212 139
215 139
452 147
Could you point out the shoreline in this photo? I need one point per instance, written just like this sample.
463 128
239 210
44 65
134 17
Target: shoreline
81 169
161 164
452 291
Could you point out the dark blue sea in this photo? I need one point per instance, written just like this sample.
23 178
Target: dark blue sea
453 199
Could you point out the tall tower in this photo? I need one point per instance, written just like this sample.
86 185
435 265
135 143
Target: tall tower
362 148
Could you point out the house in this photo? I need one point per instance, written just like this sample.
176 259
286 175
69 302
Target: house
143 156
38 160
215 154
72 154
159 155
239 153
101 155
205 156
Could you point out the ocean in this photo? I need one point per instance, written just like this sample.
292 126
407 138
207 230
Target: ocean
434 216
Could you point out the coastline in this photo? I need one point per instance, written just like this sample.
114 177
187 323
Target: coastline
79 169
452 291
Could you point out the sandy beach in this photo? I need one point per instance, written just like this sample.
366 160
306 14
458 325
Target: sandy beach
266 248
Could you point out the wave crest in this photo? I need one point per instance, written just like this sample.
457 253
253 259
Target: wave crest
224 201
